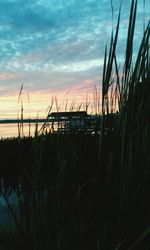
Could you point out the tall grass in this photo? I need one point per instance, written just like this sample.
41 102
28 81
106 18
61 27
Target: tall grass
133 126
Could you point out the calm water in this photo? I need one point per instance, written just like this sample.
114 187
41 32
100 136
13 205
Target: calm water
11 129
5 214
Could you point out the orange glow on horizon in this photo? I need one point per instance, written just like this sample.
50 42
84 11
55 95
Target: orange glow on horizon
36 103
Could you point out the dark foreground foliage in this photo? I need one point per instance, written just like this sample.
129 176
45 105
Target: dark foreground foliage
71 197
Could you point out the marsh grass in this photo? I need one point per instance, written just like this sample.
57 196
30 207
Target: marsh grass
133 126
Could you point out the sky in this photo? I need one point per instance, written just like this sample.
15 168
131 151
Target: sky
55 48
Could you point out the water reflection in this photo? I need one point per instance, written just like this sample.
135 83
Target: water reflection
8 130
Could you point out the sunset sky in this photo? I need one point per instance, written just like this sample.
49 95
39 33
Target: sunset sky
56 48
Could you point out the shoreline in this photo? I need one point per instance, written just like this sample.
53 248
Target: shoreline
9 121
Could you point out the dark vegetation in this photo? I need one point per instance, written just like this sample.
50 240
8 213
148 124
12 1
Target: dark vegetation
83 191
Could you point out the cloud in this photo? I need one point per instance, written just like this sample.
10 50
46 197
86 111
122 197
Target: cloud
58 33
58 43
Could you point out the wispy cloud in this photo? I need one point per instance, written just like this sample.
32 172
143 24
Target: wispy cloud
58 44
